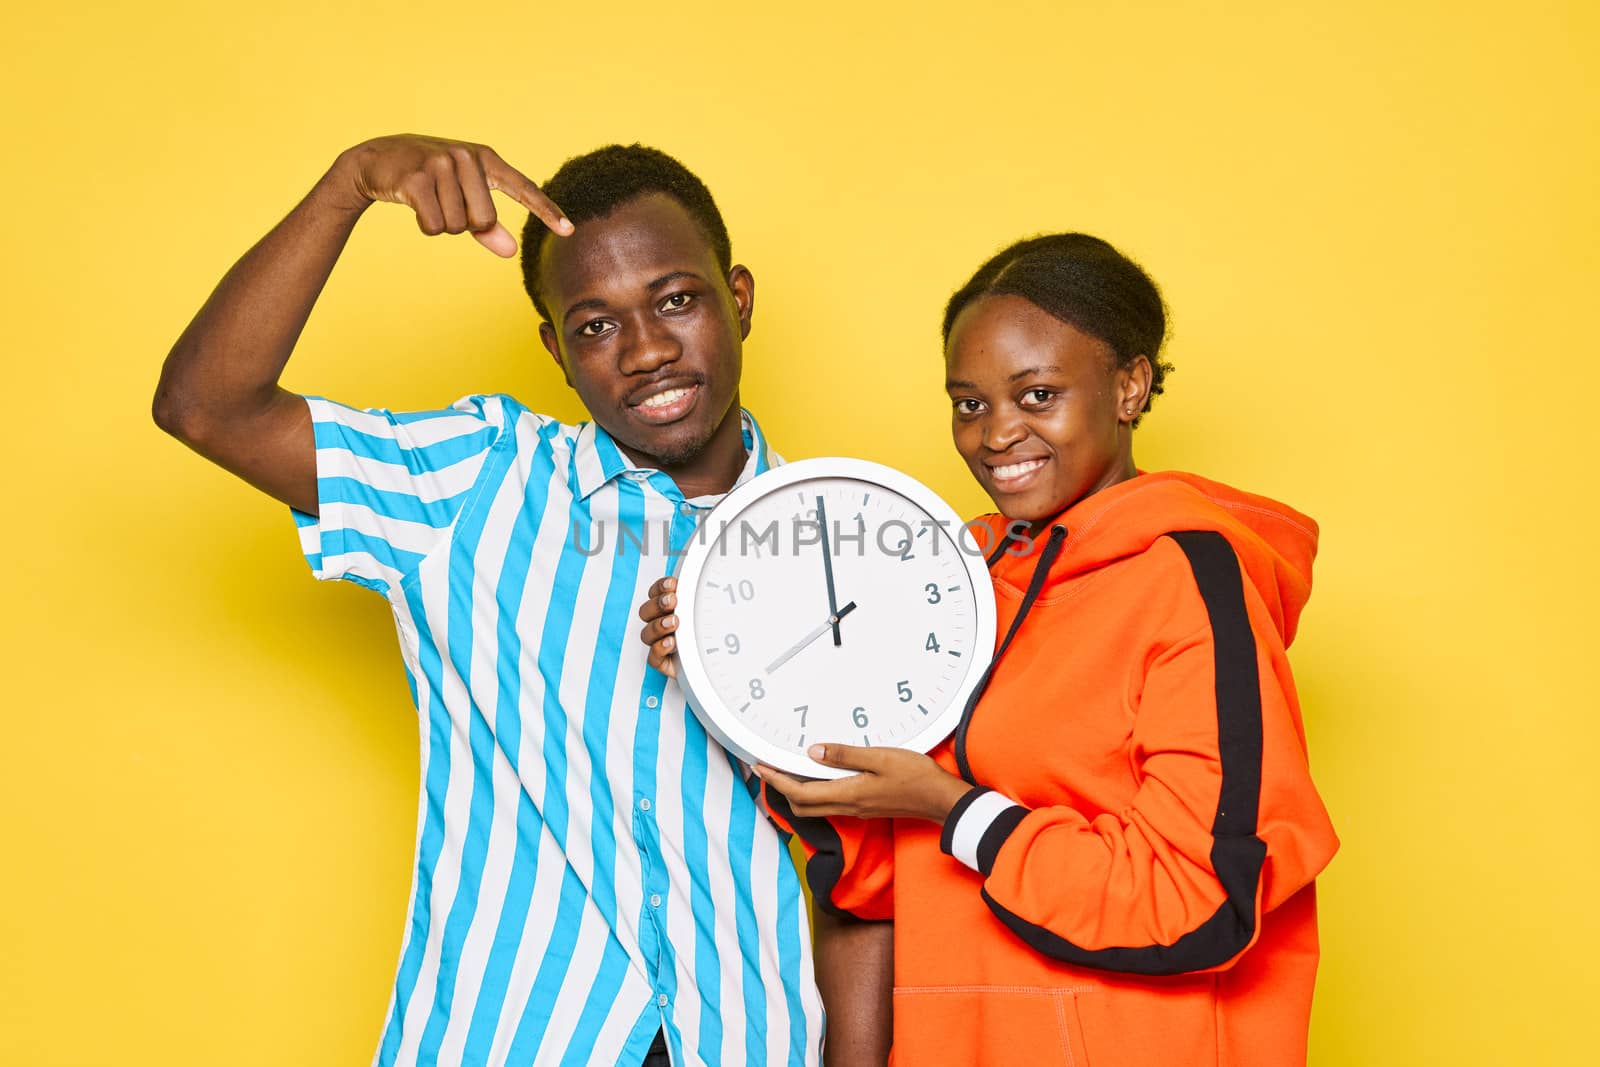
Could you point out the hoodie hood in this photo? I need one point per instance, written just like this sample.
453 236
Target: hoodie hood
1275 543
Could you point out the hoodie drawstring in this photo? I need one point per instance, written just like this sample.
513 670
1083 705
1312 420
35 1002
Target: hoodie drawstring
1052 548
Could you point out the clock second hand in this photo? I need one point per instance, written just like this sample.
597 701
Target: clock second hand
832 621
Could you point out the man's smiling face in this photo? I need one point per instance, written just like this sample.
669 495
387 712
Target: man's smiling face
647 329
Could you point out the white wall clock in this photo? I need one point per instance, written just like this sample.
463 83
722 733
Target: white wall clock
831 600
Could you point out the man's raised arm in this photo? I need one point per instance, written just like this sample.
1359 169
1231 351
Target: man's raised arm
219 390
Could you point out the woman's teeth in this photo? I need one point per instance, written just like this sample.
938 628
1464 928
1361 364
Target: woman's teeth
1016 470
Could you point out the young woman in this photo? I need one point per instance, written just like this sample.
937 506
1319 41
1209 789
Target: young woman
1111 860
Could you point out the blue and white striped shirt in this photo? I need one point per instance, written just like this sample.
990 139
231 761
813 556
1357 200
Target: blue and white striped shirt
591 866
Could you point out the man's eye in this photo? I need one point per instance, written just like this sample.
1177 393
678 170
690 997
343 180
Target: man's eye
677 301
1038 396
967 406
593 329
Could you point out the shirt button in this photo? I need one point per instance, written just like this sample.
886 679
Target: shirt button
655 900
651 702
662 1000
686 508
644 803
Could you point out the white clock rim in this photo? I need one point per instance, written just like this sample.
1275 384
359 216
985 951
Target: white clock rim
719 719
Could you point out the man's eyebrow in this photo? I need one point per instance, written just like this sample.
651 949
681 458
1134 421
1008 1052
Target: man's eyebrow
668 279
583 305
597 304
957 383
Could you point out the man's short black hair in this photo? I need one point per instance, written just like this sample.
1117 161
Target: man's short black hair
595 184
1087 284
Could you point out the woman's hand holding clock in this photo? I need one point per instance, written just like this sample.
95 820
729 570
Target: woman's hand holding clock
892 783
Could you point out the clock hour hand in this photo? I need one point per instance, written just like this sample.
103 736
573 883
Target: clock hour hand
832 621
827 569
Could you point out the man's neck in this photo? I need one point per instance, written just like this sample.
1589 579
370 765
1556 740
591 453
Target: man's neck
714 469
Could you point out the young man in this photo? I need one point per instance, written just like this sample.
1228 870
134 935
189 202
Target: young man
594 880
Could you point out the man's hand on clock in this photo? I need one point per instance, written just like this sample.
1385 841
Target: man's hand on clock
894 783
660 617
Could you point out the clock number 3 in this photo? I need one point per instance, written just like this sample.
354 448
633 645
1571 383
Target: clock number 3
934 596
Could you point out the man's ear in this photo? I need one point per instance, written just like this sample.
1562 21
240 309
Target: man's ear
743 287
552 344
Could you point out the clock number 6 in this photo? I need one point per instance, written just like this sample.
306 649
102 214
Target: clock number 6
859 716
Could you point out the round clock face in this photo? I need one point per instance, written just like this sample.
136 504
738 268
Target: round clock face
832 600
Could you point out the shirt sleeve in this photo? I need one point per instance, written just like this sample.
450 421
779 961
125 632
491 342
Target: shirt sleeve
390 485
1224 826
849 862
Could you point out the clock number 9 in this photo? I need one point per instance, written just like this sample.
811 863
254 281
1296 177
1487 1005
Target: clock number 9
745 590
934 596
859 716
732 641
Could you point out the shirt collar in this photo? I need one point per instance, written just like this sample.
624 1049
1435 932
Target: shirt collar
597 460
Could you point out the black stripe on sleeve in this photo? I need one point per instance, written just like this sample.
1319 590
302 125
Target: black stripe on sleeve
826 866
947 835
995 836
1237 854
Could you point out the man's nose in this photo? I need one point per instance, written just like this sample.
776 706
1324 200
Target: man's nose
652 348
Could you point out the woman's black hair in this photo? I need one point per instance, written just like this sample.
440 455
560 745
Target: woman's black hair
1087 284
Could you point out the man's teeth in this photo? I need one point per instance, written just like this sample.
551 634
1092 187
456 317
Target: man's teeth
1017 470
663 399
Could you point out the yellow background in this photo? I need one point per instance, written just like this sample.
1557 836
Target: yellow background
1376 228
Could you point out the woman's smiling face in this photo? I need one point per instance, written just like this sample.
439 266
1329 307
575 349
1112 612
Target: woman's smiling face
1040 410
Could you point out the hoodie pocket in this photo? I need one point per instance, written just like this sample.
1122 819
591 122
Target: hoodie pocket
988 1026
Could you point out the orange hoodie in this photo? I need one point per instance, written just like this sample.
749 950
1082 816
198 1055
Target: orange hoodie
1130 879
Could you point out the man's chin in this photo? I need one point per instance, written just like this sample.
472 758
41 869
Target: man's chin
666 447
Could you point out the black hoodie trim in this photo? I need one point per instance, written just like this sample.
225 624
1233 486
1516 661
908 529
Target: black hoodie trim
1237 853
1052 548
826 865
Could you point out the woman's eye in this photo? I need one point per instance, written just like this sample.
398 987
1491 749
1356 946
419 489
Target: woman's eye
677 301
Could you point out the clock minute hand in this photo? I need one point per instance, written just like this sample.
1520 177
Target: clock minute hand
831 621
827 569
